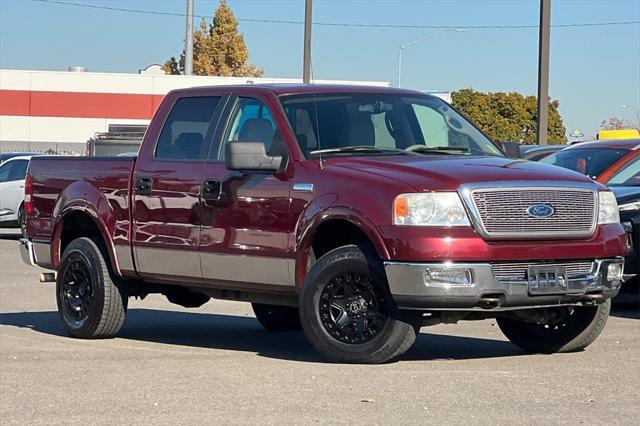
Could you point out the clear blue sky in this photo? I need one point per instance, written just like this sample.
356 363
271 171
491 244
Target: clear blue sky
594 70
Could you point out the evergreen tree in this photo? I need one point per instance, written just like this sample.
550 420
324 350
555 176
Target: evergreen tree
218 49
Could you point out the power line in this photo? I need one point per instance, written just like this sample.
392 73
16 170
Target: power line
338 24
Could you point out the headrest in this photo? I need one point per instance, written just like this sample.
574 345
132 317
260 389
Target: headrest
188 145
361 132
256 130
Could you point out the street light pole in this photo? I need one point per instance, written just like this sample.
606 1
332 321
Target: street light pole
306 63
188 41
543 71
404 46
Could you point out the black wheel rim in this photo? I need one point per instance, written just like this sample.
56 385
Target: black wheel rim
351 310
76 289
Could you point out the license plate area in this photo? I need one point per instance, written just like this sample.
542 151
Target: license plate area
544 280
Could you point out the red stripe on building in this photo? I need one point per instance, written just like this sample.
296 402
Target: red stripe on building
78 104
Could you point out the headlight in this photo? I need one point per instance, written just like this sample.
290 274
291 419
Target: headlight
608 208
429 209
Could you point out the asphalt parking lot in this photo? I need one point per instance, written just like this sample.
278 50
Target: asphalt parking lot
215 364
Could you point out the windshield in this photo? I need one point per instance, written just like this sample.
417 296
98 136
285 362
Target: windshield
629 175
588 161
369 124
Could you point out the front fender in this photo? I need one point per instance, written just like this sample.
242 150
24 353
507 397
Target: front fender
83 197
313 216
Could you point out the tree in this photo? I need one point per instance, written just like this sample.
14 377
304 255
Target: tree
508 116
218 49
615 123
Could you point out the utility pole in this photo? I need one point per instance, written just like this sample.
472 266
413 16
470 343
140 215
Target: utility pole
188 41
543 71
306 66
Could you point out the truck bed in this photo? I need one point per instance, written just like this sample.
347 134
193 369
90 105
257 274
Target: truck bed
100 184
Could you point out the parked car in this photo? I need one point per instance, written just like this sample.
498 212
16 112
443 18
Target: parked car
625 183
358 214
4 156
615 163
599 160
12 177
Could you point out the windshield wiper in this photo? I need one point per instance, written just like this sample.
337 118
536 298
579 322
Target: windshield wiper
449 150
360 149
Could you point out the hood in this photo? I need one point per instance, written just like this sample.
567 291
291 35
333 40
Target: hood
447 173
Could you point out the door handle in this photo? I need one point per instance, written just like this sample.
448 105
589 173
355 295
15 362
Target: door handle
143 185
211 190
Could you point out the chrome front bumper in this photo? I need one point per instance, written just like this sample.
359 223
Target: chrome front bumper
410 291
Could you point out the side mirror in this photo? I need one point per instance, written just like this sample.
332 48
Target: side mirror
251 156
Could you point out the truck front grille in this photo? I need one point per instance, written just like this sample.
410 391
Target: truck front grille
509 271
504 212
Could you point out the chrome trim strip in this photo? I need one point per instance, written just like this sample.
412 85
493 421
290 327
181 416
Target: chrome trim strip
303 187
168 262
466 192
123 255
247 268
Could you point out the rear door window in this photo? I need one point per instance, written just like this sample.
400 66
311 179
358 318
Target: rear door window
187 133
19 170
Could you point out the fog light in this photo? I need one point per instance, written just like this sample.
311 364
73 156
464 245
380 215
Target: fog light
614 271
447 277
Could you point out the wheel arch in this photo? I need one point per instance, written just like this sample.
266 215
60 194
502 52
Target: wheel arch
90 215
329 229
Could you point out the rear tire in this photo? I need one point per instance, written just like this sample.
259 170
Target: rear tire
277 318
22 221
347 311
90 303
573 329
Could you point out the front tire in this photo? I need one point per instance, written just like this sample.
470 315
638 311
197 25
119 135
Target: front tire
277 318
568 330
90 303
347 312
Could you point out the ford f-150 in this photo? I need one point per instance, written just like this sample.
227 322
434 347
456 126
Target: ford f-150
357 214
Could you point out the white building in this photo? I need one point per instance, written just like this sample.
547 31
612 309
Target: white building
60 110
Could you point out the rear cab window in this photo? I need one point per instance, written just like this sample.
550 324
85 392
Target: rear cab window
188 130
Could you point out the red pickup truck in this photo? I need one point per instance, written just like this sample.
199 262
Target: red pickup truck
357 214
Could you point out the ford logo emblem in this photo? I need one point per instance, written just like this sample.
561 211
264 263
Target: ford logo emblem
540 210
